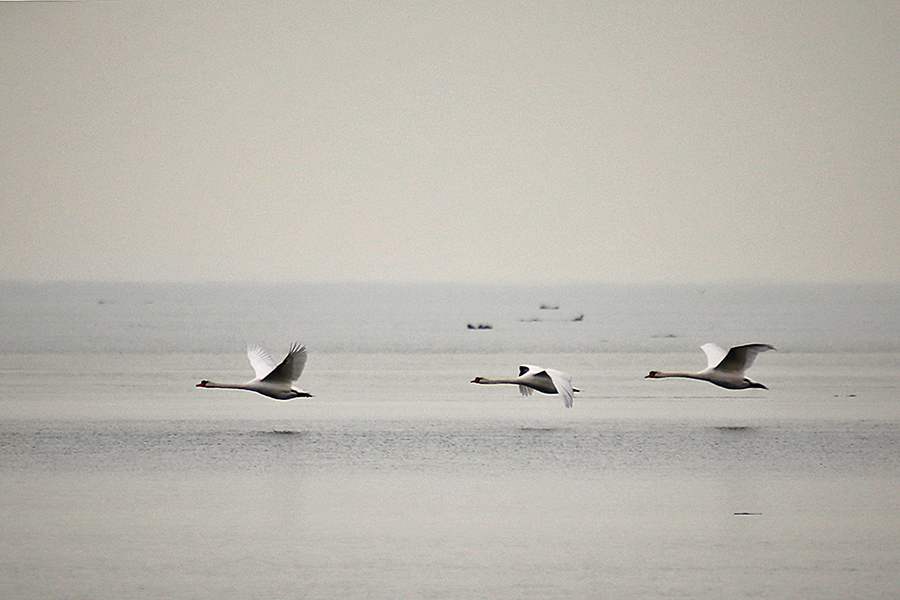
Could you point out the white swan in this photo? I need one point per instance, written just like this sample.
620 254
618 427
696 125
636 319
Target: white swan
546 381
271 380
725 369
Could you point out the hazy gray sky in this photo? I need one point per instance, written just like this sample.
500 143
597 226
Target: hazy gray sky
511 141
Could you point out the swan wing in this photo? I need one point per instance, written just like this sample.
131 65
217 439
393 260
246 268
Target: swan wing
563 384
714 354
526 369
740 358
260 360
526 372
290 368
530 376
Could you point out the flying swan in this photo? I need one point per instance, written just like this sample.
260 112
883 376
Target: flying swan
725 369
546 381
271 380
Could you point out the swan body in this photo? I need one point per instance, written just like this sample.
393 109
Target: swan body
546 381
274 381
725 369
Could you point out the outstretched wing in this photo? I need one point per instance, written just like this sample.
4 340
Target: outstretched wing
523 369
715 354
291 367
260 360
740 358
563 384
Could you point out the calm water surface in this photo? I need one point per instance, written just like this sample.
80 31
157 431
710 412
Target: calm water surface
120 479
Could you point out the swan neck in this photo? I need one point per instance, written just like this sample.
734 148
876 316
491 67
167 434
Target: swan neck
661 374
227 386
496 381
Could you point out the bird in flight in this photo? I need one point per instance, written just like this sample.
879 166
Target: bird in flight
274 381
546 381
725 369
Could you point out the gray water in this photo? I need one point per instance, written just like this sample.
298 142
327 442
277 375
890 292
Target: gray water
399 479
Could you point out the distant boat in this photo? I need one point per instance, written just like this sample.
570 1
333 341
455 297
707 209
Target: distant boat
538 319
480 326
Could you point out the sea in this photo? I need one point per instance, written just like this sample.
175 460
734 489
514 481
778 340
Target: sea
120 479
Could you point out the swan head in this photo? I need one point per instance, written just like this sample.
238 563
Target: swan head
203 383
651 374
477 380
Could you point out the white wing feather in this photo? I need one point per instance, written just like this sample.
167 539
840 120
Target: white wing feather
563 385
714 354
260 360
290 368
740 358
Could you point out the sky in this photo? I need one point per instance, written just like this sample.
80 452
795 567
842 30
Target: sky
535 142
